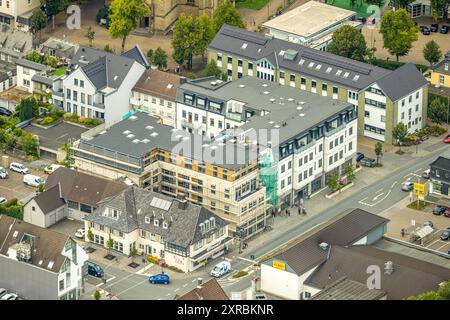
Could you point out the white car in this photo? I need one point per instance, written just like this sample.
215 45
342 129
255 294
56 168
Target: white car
3 173
3 200
221 269
52 168
32 180
10 296
80 233
18 167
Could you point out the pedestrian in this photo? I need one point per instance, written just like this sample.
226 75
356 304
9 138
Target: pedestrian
299 210
279 211
402 232
288 212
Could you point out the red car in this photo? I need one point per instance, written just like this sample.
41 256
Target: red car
446 213
447 139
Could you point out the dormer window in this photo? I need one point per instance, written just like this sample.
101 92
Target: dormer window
156 223
165 225
147 219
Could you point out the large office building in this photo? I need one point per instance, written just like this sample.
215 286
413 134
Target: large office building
222 177
315 138
383 98
311 24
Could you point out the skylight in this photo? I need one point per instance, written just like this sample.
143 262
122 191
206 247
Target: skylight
301 62
346 75
154 134
329 69
311 64
338 73
169 86
244 45
356 77
50 264
318 67
130 136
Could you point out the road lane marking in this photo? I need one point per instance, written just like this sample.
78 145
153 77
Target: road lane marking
176 290
185 285
107 280
377 196
392 185
141 271
379 190
247 260
134 286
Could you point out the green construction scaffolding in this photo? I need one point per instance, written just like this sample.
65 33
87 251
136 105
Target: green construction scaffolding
269 179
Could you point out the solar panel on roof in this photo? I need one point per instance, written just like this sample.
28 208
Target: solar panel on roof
316 56
160 203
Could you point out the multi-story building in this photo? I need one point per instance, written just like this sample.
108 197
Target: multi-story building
17 13
440 76
316 136
311 24
383 97
183 235
40 264
222 177
440 176
98 84
155 93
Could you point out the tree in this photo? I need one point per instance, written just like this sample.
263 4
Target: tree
97 295
29 145
333 183
213 70
25 109
399 133
110 243
53 7
90 35
348 42
125 16
159 58
90 235
438 7
379 151
431 52
38 22
133 253
205 29
226 13
437 111
349 171
185 40
33 56
150 53
108 49
443 293
398 31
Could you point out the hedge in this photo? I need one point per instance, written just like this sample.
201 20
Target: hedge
392 65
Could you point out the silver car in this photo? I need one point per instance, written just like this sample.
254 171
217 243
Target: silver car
407 185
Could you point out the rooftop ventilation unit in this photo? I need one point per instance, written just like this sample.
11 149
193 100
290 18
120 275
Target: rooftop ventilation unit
301 115
133 118
154 134
389 267
213 83
126 132
324 246
266 92
130 136
136 141
149 127
272 100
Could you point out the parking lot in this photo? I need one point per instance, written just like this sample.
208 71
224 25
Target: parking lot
13 187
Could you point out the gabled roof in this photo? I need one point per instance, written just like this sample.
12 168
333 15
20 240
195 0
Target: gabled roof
347 289
441 163
49 200
440 66
210 290
317 64
138 208
410 276
31 65
402 81
159 84
48 245
137 55
342 231
81 187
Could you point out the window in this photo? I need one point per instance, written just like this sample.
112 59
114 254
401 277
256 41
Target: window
211 122
75 82
289 181
61 284
350 131
350 146
82 83
383 118
283 168
366 114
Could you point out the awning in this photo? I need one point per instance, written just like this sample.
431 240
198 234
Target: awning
424 231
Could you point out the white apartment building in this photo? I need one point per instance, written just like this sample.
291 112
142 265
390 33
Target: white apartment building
26 70
40 264
98 85
155 93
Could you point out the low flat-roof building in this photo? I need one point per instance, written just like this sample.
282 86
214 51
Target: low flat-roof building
311 24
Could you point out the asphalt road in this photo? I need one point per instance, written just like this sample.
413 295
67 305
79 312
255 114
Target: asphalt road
374 198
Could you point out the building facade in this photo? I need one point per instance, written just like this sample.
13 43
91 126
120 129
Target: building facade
440 176
17 13
40 264
440 75
243 53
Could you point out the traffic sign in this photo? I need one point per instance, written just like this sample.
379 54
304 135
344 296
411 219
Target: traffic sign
419 189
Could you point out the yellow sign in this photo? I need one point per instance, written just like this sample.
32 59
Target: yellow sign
419 189
278 265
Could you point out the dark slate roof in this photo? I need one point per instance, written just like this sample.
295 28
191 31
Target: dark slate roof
441 163
48 244
440 66
4 76
402 82
210 290
134 205
49 200
410 277
31 65
136 54
231 39
341 231
81 187
346 289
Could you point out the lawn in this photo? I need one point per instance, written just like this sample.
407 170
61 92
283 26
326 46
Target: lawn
418 205
252 4
60 71
360 6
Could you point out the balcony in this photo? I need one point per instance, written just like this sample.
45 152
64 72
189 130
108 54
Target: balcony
335 130
99 105
59 94
187 124
305 147
233 116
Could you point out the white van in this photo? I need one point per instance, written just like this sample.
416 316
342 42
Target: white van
33 181
220 269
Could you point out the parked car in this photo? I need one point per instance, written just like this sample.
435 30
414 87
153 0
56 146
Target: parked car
361 19
3 173
52 168
368 162
359 156
445 235
10 296
5 112
3 292
444 29
428 223
3 200
439 210
407 185
434 27
95 270
159 279
221 269
33 181
80 233
447 213
425 30
447 138
426 174
18 167
260 297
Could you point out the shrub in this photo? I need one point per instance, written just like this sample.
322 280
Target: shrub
88 121
174 269
153 260
47 121
11 202
240 274
15 211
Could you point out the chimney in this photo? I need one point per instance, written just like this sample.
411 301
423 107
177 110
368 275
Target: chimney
199 283
182 202
183 80
389 267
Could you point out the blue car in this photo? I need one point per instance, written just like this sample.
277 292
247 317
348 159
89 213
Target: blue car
159 279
